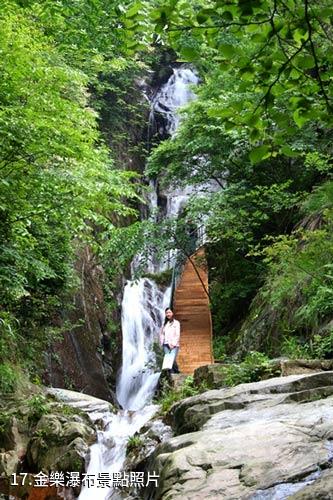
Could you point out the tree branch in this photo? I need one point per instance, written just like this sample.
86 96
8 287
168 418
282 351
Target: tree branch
219 25
313 51
280 72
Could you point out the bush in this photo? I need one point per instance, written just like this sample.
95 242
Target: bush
8 378
171 396
322 345
293 348
252 369
219 347
38 406
134 444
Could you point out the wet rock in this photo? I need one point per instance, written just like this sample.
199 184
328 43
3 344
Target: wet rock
152 434
91 406
212 375
321 489
192 413
8 463
13 444
249 440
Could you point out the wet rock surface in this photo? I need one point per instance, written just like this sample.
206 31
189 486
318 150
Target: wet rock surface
300 366
320 489
152 434
263 440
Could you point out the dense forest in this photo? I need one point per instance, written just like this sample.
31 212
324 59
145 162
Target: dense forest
76 163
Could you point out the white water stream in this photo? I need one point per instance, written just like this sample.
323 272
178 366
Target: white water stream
173 95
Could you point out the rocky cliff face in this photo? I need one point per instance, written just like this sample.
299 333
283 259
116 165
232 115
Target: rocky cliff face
83 360
263 440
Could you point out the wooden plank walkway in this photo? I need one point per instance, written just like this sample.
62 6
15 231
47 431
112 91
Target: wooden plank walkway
191 306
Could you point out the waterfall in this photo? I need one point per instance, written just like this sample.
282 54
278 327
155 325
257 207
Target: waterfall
142 316
143 302
173 95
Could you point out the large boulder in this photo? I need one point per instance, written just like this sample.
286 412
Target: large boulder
300 366
262 440
190 414
62 437
13 443
212 376
215 376
60 443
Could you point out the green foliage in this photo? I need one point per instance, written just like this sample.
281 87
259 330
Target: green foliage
322 345
298 274
318 346
253 368
171 396
5 421
38 406
59 190
233 281
134 444
260 133
8 378
279 59
219 347
298 286
293 348
249 203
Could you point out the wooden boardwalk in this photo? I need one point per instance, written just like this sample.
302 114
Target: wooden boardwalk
191 306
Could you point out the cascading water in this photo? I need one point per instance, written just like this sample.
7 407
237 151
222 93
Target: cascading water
142 315
143 302
173 95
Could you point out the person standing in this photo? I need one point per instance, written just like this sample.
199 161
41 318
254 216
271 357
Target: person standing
170 336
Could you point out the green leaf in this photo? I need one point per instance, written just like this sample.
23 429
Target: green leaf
306 62
300 34
299 118
220 112
288 151
227 50
133 10
259 153
189 53
202 18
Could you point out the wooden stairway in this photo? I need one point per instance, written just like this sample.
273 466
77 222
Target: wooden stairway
191 307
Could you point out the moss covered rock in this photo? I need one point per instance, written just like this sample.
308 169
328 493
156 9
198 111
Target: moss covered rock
60 443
